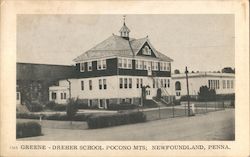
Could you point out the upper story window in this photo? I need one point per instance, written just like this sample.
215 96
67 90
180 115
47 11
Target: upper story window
102 84
130 83
224 84
146 50
168 66
232 83
144 65
89 66
101 64
155 66
125 63
164 66
137 83
228 84
82 67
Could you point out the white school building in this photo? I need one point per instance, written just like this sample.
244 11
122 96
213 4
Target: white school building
115 71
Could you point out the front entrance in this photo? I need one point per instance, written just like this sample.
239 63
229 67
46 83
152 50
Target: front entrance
149 94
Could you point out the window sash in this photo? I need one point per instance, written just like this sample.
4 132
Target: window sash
104 84
89 66
90 85
125 83
82 85
82 67
121 83
130 82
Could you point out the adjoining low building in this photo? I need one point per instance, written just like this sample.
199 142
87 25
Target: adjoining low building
222 83
115 71
34 80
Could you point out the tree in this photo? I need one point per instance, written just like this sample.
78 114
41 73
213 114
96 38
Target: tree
176 71
228 70
71 109
206 94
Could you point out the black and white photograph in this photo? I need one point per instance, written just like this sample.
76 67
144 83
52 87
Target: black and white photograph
125 77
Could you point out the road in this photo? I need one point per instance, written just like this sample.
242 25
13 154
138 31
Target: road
217 125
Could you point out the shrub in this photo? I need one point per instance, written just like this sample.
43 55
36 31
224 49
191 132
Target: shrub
150 103
59 107
51 104
57 116
206 94
35 107
27 115
122 106
71 108
28 129
177 102
115 119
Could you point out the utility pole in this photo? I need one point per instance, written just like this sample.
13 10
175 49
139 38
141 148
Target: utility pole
186 71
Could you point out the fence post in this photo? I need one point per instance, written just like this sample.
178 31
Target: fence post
206 107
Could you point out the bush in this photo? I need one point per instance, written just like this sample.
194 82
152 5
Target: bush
27 115
177 102
149 104
122 106
55 107
115 119
35 107
57 116
28 129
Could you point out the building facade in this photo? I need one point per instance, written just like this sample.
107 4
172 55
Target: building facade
115 71
222 83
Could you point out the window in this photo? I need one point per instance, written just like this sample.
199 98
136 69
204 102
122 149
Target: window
124 63
119 63
165 66
168 83
89 66
161 82
218 87
140 64
61 95
64 95
232 83
101 103
146 50
137 83
101 64
178 94
165 83
155 66
141 83
82 85
125 83
130 83
224 84
157 83
82 67
177 85
121 83
100 83
136 64
153 83
104 84
168 66
144 65
161 66
130 63
90 102
104 64
53 95
90 85
228 84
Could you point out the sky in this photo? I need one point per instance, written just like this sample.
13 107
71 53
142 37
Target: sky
200 42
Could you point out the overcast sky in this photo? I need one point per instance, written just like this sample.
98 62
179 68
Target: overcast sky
201 42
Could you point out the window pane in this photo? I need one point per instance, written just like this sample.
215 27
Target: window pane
90 84
121 83
119 62
82 85
130 82
100 84
124 63
137 83
125 83
104 84
82 67
99 65
130 63
104 64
